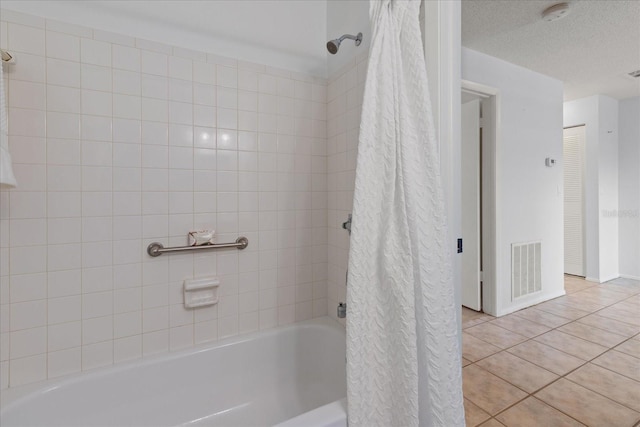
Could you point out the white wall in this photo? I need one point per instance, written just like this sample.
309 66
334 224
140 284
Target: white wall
599 114
530 203
629 187
608 174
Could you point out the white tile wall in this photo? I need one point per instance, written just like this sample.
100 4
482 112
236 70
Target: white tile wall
344 105
119 142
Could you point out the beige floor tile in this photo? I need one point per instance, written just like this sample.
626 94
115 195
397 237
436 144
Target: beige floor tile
468 314
611 325
582 303
489 392
621 363
590 319
478 320
595 297
631 347
625 282
628 291
586 406
496 335
520 325
532 412
628 306
542 317
572 285
589 333
473 415
571 288
624 288
517 371
615 386
568 278
571 345
634 299
562 310
546 357
475 349
607 299
606 295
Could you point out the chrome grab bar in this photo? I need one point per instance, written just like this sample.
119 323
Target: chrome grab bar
156 249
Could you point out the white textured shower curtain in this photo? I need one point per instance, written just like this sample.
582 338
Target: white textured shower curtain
403 355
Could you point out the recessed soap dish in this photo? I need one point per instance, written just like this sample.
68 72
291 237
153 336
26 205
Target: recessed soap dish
201 292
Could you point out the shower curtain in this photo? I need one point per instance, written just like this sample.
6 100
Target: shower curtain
403 355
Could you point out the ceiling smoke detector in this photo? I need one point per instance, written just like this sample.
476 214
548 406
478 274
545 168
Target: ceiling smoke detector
555 12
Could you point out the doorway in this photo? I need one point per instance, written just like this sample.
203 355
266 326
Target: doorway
478 196
471 203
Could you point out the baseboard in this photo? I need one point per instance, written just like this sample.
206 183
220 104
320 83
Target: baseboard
612 277
530 303
628 276
606 279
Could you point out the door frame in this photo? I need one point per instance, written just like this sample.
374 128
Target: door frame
441 34
490 226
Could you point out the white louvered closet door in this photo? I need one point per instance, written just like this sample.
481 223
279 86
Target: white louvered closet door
574 140
470 154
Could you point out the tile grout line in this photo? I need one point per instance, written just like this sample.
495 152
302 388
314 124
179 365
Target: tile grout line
603 395
547 385
552 329
564 376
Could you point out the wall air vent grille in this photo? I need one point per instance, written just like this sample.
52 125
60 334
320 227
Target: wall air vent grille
525 269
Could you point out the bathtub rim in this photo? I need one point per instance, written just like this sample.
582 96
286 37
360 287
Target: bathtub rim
14 396
332 414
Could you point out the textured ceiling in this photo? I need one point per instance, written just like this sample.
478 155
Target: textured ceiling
591 50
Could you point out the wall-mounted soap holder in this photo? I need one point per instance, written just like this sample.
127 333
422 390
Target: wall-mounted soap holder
201 292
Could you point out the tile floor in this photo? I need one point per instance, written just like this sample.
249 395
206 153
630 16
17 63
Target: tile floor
571 361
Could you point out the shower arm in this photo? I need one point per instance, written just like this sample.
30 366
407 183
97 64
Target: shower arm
357 38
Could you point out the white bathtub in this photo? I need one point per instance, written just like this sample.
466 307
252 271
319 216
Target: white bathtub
294 375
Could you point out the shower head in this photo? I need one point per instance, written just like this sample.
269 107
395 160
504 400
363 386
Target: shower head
334 45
